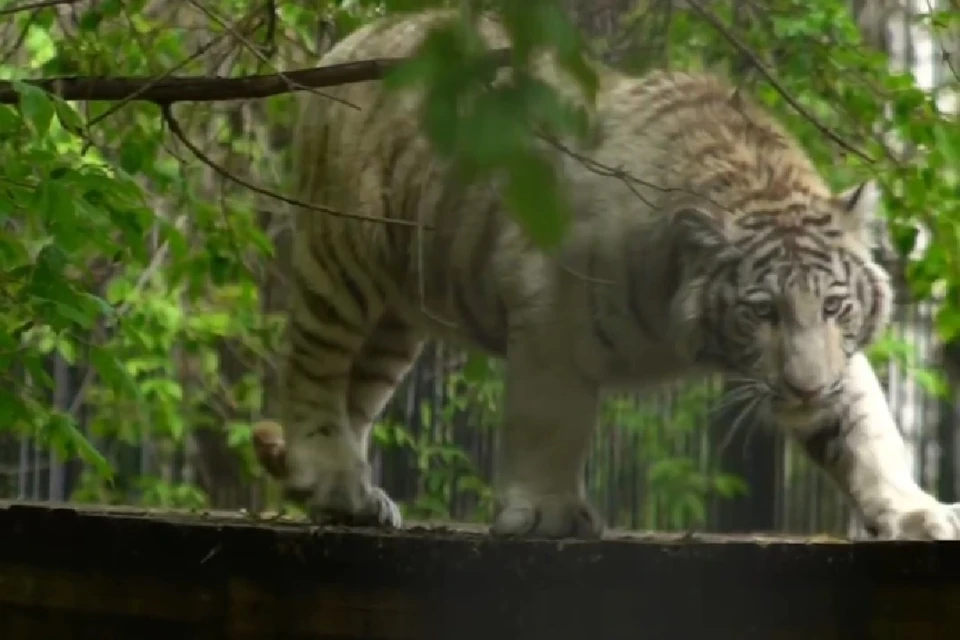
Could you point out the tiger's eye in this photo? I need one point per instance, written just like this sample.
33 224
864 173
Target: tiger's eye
764 309
832 305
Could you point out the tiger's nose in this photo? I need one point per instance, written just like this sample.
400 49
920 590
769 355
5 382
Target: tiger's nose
805 393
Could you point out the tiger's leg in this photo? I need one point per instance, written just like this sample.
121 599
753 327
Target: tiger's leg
335 304
865 455
550 414
385 358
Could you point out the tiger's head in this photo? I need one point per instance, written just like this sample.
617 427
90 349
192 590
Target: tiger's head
781 296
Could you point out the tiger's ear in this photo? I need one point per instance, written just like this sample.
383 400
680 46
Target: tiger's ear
700 230
858 207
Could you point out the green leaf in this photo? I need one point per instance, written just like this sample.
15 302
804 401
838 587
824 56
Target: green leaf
67 115
904 238
132 157
532 194
10 122
947 322
73 313
238 434
948 143
476 368
96 305
932 382
112 372
41 45
13 253
36 107
67 350
91 19
62 431
12 408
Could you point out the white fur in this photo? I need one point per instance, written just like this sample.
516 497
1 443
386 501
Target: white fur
647 252
875 473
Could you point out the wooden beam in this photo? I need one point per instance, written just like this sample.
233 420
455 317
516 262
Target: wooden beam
67 572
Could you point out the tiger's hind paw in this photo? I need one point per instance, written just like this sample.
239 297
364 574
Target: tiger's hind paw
339 493
330 491
377 510
547 517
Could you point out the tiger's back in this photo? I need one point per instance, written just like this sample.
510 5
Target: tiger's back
450 259
434 249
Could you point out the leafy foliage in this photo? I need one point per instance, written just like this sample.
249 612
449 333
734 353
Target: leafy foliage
130 262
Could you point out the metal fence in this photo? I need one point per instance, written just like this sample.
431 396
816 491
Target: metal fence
657 462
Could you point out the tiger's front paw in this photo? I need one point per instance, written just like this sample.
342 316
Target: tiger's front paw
564 516
934 521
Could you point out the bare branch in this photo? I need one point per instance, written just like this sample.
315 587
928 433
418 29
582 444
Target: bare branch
30 6
172 89
175 128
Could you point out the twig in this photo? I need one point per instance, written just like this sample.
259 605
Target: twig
20 39
255 50
945 55
173 89
166 113
41 4
269 47
245 22
752 57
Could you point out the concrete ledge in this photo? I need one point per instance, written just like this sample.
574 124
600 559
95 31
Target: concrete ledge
67 572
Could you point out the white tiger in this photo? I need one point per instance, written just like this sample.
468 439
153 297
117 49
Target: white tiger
732 256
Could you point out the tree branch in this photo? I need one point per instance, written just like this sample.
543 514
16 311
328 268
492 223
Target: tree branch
30 6
172 89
